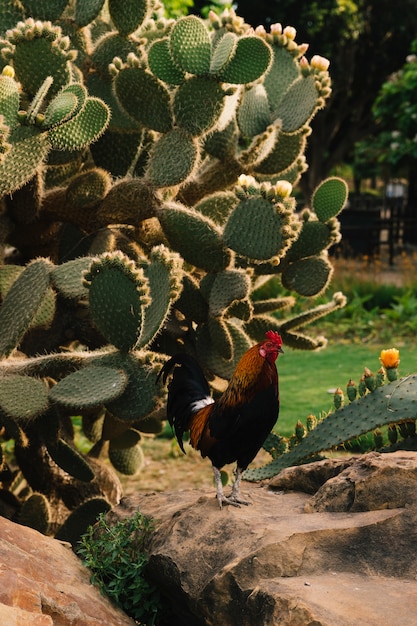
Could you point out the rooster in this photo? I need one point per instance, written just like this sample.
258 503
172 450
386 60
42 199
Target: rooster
234 427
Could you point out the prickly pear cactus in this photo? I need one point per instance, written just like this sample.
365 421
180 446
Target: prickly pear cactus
147 168
379 400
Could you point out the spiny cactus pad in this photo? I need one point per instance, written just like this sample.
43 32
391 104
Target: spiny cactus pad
81 518
141 394
161 63
195 237
256 229
195 115
89 387
23 397
9 97
250 60
21 304
386 404
28 148
36 51
70 460
164 273
173 158
82 129
308 276
118 291
144 98
190 45
35 512
298 105
67 278
329 198
127 15
127 461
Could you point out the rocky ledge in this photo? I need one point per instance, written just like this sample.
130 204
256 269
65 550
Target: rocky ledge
331 543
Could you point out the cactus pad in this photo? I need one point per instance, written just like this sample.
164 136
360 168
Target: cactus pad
127 461
309 276
89 387
255 229
144 98
172 159
190 45
127 15
79 520
35 513
312 239
251 59
224 50
386 404
141 394
118 290
161 63
28 148
22 302
198 114
37 51
164 273
83 128
9 98
86 12
298 105
228 286
282 72
329 198
253 114
62 108
23 397
195 237
287 149
67 278
70 460
44 10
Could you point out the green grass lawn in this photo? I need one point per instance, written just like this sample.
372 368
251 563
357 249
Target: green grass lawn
305 377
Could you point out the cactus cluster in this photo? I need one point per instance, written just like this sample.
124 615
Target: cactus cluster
379 400
147 168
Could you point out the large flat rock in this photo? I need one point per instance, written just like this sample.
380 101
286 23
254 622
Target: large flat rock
280 561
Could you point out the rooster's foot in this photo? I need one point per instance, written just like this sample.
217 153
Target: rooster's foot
233 500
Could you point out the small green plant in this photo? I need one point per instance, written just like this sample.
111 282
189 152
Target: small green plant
116 556
380 399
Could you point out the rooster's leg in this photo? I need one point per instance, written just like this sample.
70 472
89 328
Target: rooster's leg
235 495
234 498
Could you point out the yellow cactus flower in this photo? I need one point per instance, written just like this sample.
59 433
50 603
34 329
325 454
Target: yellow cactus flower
390 358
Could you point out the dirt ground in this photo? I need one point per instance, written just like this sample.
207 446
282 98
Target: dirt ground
167 468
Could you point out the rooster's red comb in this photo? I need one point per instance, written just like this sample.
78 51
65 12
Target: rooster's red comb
275 337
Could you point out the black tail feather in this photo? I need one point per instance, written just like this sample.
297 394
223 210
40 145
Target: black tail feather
187 388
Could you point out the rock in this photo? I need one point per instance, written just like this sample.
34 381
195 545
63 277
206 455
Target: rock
309 478
372 482
288 559
42 583
342 556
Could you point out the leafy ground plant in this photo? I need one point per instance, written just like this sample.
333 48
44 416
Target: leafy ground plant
116 556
